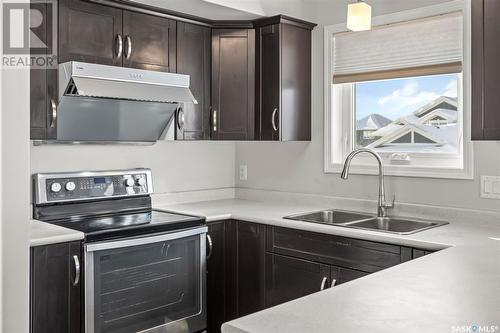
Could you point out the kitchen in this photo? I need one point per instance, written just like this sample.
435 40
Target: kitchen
244 184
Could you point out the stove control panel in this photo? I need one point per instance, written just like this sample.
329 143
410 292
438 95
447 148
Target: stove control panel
79 186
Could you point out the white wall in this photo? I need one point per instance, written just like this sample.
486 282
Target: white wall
298 166
176 166
15 190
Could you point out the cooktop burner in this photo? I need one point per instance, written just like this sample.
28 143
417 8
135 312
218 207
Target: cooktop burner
130 224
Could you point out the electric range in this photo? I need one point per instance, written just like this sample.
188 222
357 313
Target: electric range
144 269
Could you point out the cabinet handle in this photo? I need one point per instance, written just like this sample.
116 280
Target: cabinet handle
323 283
77 270
119 46
180 118
333 283
273 120
210 246
128 44
214 120
53 107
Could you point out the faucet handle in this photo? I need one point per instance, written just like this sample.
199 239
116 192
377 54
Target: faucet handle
391 204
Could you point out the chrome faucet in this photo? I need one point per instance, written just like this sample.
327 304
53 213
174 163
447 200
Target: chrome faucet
383 206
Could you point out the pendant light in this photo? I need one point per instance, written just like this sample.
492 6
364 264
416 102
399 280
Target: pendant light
359 16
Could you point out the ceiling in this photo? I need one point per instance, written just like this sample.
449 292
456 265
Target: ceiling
203 9
318 11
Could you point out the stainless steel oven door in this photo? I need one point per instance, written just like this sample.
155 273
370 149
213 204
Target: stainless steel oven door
148 284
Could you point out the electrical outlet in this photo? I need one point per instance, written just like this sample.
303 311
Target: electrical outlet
490 187
243 172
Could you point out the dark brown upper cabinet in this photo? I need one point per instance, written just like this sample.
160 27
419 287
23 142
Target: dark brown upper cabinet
485 70
149 42
193 59
252 80
283 79
89 32
43 83
232 115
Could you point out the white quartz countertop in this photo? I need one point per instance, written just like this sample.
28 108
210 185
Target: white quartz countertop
272 213
45 233
447 291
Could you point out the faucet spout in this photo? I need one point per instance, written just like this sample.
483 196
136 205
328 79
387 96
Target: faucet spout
382 205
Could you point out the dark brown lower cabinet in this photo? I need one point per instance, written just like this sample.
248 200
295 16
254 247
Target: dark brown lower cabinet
346 275
235 277
417 253
290 278
246 263
253 266
55 291
216 275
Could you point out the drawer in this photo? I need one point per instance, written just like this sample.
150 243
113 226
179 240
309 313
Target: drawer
340 251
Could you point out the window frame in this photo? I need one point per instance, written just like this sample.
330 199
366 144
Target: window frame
344 99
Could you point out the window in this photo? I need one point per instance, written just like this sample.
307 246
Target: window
401 89
418 114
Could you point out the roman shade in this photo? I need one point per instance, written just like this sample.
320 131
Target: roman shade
427 46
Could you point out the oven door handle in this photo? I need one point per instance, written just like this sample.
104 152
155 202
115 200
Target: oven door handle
144 240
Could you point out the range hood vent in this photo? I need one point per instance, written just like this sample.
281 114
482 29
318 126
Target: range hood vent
99 103
101 81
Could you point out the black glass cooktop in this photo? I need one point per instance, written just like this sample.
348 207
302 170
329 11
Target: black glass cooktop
130 224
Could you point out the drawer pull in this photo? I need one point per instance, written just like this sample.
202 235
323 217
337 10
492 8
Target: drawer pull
119 46
128 44
77 270
210 247
273 120
323 283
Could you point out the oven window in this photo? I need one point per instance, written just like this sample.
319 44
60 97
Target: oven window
141 287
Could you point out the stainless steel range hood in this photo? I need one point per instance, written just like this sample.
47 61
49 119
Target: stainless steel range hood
99 103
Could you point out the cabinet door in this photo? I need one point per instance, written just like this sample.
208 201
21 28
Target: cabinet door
485 70
56 288
89 32
233 84
269 82
193 59
346 275
43 84
216 276
289 278
295 83
245 265
149 42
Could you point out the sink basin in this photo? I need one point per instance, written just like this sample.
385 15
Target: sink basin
395 225
330 216
342 218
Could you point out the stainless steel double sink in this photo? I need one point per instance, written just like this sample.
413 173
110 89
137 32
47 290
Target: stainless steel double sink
401 226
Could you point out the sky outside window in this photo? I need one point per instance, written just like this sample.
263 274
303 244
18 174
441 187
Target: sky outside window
400 97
